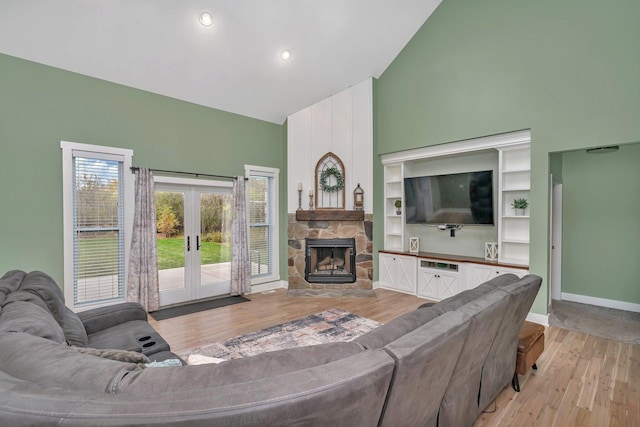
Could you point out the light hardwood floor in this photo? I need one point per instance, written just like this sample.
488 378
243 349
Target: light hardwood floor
581 381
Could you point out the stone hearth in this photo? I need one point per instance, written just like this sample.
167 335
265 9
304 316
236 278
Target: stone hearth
361 231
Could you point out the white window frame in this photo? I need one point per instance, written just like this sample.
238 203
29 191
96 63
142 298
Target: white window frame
68 148
275 235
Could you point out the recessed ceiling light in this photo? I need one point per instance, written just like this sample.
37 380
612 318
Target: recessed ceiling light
285 55
206 18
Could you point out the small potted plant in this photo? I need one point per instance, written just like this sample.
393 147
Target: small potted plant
519 205
398 205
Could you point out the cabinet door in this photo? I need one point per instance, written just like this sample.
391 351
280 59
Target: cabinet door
397 272
483 273
436 284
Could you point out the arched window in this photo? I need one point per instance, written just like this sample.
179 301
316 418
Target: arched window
330 182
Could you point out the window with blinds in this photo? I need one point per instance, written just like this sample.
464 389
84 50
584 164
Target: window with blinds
261 207
98 228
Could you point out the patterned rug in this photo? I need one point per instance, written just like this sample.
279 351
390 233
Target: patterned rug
329 326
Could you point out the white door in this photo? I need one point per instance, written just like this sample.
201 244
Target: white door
194 240
556 242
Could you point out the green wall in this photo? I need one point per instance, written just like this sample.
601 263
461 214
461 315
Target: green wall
40 106
601 226
566 70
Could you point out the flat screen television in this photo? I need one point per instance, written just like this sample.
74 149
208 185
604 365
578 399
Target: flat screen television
458 198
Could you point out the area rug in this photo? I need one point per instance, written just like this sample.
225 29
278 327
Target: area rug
329 326
181 310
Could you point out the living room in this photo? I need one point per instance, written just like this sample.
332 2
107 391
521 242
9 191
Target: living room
568 72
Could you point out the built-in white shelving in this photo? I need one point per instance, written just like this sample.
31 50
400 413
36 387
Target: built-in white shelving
514 183
393 222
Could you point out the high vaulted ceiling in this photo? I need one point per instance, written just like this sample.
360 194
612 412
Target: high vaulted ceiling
233 65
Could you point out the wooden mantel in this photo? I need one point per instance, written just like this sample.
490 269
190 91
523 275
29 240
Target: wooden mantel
329 215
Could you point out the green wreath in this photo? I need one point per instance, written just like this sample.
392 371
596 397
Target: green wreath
334 172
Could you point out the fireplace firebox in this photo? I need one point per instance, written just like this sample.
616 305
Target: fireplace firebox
330 260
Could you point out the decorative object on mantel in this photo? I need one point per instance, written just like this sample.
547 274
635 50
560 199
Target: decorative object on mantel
358 198
414 244
491 251
519 205
330 179
310 200
299 196
398 205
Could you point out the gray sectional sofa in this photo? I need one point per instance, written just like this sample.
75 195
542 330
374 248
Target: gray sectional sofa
438 365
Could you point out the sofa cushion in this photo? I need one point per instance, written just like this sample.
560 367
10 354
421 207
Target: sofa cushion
500 364
10 282
252 368
44 362
425 359
396 328
46 288
74 329
22 316
460 402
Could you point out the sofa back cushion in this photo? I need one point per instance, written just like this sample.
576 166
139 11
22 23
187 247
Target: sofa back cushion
425 359
499 367
396 328
460 402
73 329
22 316
37 360
10 282
45 287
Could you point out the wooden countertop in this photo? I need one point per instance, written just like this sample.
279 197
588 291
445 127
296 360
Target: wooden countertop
455 258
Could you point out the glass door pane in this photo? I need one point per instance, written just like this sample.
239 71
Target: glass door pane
214 243
170 239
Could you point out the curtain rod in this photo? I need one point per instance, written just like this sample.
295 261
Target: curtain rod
135 168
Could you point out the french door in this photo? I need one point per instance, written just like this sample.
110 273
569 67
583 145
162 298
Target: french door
194 239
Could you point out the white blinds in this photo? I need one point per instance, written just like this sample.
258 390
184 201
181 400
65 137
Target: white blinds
261 191
98 228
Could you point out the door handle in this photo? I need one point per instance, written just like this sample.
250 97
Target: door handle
188 243
197 243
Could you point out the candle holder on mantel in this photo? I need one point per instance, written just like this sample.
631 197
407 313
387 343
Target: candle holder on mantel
310 200
299 199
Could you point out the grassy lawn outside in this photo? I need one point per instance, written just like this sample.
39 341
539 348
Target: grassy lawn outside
171 252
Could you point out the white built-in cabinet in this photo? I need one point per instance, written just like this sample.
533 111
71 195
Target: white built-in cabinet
482 273
434 278
428 276
397 272
438 279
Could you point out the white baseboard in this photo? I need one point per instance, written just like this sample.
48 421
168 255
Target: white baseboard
262 287
542 319
602 302
376 284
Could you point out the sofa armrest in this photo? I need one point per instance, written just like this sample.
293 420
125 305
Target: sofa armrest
102 318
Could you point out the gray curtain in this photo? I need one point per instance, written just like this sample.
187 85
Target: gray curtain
142 283
240 263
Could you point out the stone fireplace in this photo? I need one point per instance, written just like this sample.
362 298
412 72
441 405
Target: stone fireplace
346 251
330 260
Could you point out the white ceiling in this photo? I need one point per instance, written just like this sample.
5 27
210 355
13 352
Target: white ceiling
234 65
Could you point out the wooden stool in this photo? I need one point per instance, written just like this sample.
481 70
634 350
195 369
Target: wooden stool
530 347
